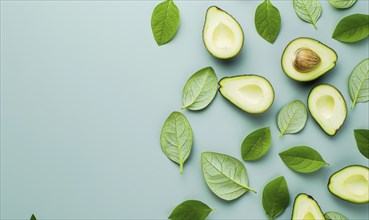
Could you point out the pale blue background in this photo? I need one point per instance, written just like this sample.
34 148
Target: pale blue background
85 91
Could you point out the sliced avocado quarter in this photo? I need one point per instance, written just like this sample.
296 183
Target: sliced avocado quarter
351 184
222 34
306 59
328 108
305 207
251 93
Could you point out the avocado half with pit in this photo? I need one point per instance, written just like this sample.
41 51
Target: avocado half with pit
351 184
306 59
251 93
328 108
222 34
305 207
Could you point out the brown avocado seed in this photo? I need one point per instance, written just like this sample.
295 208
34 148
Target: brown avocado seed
305 60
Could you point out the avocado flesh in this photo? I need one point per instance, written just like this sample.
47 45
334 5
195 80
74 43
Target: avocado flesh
328 108
327 57
306 208
222 34
351 184
251 93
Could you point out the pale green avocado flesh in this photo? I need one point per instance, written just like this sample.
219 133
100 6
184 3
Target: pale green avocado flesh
328 108
222 34
306 208
306 59
251 93
351 184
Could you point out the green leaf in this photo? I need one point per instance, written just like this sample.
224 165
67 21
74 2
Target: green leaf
164 22
256 144
176 138
308 10
342 4
33 217
267 21
362 141
352 28
359 83
225 176
200 89
334 216
276 197
292 118
303 159
190 209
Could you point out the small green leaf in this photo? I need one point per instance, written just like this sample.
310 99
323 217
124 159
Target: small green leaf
33 217
276 197
334 216
359 83
292 118
303 159
256 144
308 10
352 28
164 22
342 4
200 89
225 175
267 21
176 138
190 209
362 141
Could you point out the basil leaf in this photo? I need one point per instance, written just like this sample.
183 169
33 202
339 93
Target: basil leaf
164 22
256 144
33 217
292 118
352 28
190 209
303 159
362 141
200 89
267 21
308 10
342 4
359 83
275 197
225 175
334 216
176 138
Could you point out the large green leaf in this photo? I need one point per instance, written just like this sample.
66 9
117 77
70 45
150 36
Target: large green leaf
256 144
342 4
190 209
200 89
362 141
292 118
352 28
176 138
267 21
308 10
164 22
275 197
359 83
225 175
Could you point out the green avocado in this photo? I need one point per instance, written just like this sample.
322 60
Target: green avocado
351 184
328 108
306 59
222 34
251 93
305 207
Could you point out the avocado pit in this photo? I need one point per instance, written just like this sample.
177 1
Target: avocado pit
305 60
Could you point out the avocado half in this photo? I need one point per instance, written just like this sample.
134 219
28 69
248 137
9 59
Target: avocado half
305 59
251 93
305 207
351 184
222 34
328 107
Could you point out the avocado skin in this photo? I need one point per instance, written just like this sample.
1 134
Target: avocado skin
230 77
310 197
312 39
203 27
329 182
316 120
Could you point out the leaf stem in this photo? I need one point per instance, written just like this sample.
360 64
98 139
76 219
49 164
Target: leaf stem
180 165
251 189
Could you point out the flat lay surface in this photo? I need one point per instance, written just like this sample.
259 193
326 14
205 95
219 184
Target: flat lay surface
85 91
